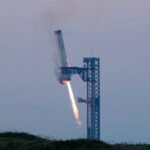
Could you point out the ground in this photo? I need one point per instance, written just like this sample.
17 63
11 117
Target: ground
24 141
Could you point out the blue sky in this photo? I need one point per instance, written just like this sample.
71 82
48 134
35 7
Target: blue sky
32 100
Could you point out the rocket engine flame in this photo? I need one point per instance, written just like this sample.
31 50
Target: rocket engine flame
73 104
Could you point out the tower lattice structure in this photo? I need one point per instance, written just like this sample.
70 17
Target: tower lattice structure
90 74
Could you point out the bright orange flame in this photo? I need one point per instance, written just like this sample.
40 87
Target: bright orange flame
65 82
73 104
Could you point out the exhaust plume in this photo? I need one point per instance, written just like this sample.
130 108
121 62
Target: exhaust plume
73 104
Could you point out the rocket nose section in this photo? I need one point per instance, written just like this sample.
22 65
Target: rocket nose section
57 31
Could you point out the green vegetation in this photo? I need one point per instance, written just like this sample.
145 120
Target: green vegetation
24 141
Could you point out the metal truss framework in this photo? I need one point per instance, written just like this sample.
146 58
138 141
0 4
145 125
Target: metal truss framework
90 73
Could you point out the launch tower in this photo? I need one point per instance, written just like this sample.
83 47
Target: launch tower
89 73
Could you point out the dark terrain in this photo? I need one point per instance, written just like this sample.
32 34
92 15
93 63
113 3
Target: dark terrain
24 141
